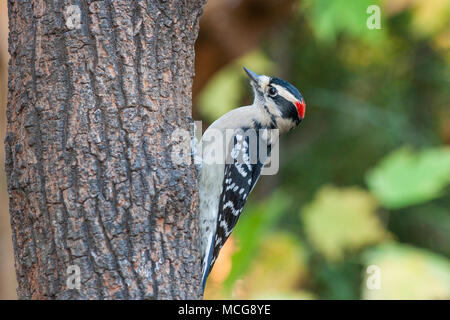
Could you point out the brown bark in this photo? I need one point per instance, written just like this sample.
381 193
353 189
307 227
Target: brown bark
91 110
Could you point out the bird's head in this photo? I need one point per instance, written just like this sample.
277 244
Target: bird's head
280 100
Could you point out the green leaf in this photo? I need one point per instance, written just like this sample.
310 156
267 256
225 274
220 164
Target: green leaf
340 220
407 273
330 18
407 178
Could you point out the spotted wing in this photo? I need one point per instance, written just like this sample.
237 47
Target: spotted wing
242 170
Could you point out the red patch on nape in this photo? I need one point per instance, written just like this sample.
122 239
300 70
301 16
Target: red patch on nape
301 108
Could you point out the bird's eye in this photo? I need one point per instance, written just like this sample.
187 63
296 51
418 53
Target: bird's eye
272 91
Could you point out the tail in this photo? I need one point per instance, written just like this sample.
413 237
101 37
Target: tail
206 267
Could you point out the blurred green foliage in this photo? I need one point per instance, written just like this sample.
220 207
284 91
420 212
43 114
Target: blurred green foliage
353 210
251 231
279 267
365 179
404 178
408 273
329 19
226 89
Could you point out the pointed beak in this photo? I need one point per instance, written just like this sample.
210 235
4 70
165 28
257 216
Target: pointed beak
252 75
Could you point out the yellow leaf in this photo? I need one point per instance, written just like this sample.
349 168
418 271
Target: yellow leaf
340 220
407 273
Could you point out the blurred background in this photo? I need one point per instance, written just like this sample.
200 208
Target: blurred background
360 208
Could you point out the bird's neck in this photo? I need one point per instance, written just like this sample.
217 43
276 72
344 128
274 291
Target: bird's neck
264 119
271 118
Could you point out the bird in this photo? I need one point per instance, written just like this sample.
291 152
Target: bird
232 158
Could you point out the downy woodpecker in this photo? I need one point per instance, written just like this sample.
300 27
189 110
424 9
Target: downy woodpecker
231 165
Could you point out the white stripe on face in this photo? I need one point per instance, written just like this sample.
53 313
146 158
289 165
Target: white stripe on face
285 93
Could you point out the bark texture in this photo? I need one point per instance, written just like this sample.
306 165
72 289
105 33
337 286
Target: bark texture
92 105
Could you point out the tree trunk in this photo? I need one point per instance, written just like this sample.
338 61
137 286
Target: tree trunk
96 89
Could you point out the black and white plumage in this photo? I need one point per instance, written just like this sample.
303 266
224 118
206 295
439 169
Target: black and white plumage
234 151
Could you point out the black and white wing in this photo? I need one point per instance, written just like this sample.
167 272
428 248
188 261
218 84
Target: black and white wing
242 170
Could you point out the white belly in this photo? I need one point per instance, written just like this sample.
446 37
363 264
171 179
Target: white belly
211 179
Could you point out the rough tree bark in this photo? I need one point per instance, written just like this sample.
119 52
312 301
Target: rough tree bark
96 89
